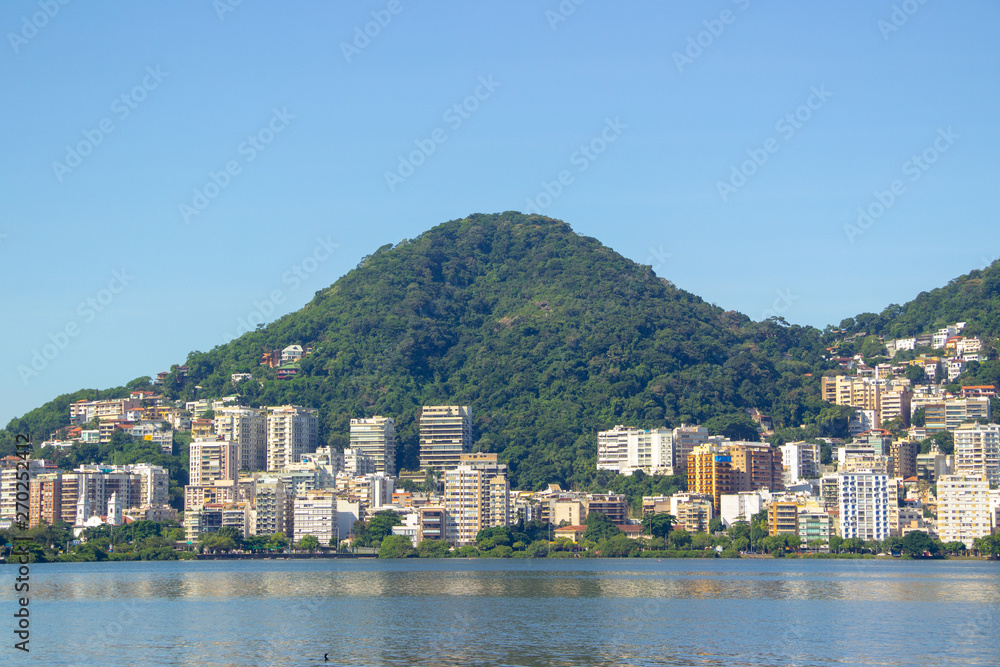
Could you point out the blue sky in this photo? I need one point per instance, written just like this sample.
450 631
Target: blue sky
172 168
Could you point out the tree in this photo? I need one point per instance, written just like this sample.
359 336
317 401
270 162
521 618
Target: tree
433 549
599 527
954 548
658 525
277 541
836 543
917 543
716 525
396 546
309 543
680 538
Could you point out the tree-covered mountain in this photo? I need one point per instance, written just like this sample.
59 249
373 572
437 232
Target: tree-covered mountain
548 335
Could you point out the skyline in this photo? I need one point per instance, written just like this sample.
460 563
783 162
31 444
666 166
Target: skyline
179 170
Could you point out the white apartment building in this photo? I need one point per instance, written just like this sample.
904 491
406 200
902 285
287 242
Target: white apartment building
742 506
612 448
316 515
800 460
9 486
445 434
867 505
685 439
291 432
650 451
963 508
377 438
977 451
247 427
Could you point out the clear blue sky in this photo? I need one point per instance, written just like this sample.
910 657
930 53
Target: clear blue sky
114 114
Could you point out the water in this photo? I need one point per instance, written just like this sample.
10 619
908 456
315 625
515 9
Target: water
511 612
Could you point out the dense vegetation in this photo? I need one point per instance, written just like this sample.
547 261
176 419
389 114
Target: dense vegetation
548 335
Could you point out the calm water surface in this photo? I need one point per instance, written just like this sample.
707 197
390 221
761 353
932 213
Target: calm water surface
512 612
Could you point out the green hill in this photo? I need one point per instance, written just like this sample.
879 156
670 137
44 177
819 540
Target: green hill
548 335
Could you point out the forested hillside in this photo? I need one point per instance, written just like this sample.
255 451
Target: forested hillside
548 335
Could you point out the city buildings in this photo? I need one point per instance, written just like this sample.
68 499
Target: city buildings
247 427
316 515
866 501
474 500
977 451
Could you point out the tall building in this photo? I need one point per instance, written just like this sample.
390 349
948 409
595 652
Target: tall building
799 460
211 460
710 472
291 432
904 458
867 503
247 427
45 499
94 486
963 508
9 478
783 518
445 434
977 451
316 515
685 438
756 465
612 448
651 451
377 438
474 500
270 502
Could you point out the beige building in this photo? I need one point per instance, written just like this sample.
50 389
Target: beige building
247 427
963 508
473 500
316 515
445 434
977 451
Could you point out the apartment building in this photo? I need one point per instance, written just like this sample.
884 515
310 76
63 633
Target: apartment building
756 465
783 518
799 460
269 513
445 434
316 515
247 427
211 460
977 451
867 504
291 432
45 502
963 508
9 478
710 472
376 437
473 500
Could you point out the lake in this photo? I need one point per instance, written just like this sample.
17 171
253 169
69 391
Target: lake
511 612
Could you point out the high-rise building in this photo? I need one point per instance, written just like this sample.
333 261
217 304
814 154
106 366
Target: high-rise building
211 460
612 448
710 472
977 451
9 479
377 438
445 434
800 460
291 432
247 427
867 503
270 503
651 451
685 438
963 508
756 465
45 499
474 500
316 515
904 458
783 518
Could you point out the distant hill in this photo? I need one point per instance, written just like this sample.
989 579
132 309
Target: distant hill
548 335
